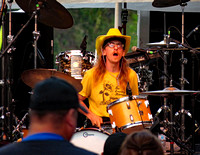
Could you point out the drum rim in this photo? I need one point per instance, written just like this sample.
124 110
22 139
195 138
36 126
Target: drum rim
91 129
125 99
135 124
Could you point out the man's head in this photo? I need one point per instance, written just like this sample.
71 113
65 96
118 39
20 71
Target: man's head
113 34
55 100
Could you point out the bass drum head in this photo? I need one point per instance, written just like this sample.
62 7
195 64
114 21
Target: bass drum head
90 139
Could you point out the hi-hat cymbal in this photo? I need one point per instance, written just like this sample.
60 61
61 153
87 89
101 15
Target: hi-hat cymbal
51 12
170 92
33 76
168 3
162 43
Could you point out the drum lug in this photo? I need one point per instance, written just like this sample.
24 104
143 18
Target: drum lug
146 103
110 112
128 105
113 125
131 118
150 116
139 103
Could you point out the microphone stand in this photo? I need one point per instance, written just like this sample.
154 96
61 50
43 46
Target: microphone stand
36 35
2 83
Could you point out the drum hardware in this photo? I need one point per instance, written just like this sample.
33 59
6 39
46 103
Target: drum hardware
33 76
144 77
170 93
136 57
194 30
7 77
65 63
128 120
187 113
129 93
141 113
19 125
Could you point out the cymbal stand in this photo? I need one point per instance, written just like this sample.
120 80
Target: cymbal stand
7 109
19 125
182 80
7 80
36 35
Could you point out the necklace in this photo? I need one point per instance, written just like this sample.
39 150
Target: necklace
116 77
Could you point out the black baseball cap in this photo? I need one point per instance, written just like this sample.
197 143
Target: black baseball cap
54 94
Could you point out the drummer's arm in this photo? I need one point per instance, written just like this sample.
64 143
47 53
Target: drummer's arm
96 120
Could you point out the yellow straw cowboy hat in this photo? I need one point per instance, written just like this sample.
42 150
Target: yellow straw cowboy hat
112 33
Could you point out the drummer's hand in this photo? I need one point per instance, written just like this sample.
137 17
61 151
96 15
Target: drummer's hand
96 120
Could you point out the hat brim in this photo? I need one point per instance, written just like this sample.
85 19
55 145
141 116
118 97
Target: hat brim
101 39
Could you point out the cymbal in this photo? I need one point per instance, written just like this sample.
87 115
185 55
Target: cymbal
162 43
33 76
170 92
51 12
167 3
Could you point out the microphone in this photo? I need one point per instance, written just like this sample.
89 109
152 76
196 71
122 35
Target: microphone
194 30
41 57
135 49
128 91
83 45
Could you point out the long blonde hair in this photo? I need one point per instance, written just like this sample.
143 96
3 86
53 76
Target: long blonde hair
100 70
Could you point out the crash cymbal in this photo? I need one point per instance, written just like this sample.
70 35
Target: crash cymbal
162 43
51 12
170 92
168 3
33 76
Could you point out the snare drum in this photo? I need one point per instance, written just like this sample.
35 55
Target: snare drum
91 139
73 63
130 115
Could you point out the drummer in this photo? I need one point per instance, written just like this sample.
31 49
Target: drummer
107 80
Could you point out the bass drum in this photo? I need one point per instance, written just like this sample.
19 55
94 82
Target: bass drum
130 115
91 139
73 63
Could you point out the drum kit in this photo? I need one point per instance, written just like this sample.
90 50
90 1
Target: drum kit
135 113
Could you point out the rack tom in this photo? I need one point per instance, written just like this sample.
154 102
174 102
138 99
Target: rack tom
129 115
73 63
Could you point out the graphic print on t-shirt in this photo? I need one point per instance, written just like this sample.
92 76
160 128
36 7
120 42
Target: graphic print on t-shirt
110 93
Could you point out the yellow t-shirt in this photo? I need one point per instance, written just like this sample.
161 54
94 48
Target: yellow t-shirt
105 91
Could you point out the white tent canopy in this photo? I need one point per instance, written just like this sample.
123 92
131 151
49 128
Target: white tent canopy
142 6
139 5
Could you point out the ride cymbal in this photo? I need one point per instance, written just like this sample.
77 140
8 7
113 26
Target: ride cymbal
33 76
50 12
170 92
168 3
